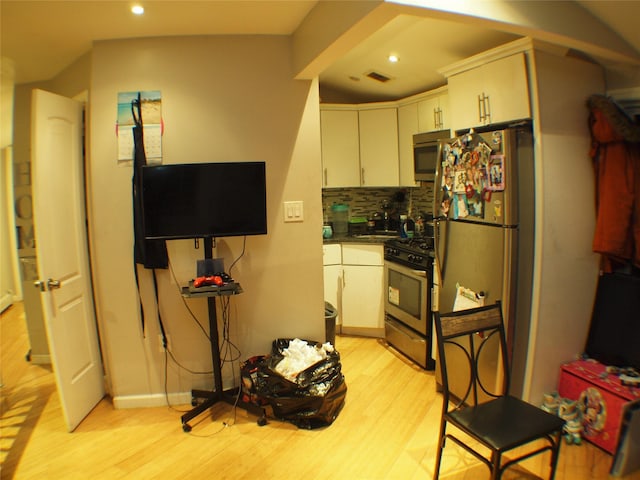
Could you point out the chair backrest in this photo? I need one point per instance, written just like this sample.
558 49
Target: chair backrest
472 354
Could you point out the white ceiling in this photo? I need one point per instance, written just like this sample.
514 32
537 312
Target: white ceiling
44 37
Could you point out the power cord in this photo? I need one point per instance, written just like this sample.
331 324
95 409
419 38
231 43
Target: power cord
230 353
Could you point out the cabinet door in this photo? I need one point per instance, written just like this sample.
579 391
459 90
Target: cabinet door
465 88
445 111
495 92
428 114
340 148
379 147
433 113
362 254
362 300
407 128
507 86
331 254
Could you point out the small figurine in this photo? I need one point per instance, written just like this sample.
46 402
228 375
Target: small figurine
568 411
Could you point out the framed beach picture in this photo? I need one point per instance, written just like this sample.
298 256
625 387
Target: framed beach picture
151 106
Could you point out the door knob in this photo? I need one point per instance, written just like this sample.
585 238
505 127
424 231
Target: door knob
39 284
53 283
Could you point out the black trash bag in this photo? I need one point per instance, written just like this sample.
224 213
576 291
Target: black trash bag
317 373
308 411
316 396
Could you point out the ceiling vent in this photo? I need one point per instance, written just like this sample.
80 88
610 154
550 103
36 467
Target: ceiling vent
378 76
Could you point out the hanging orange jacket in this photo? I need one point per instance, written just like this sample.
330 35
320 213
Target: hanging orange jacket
616 155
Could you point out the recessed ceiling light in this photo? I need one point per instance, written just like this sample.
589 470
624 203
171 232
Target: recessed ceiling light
137 9
393 58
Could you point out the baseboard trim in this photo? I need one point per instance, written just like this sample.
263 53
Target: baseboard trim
6 301
363 331
153 400
44 359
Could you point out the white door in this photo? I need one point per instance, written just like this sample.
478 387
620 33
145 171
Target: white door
63 261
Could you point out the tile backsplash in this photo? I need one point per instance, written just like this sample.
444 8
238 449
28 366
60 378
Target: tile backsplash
363 201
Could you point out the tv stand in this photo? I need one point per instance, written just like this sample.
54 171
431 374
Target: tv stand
210 398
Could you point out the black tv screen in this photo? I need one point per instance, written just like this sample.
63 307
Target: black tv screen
200 200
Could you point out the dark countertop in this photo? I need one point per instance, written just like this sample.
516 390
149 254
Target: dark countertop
375 239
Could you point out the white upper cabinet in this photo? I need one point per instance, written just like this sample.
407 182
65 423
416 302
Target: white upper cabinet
407 128
340 148
359 146
371 144
433 113
493 92
379 147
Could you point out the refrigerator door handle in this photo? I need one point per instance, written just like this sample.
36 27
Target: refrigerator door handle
439 245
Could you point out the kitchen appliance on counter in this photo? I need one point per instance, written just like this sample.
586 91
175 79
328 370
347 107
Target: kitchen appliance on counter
484 229
407 303
426 153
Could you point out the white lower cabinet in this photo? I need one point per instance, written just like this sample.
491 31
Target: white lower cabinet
362 284
332 270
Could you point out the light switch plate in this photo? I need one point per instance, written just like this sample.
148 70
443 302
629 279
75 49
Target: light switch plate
294 211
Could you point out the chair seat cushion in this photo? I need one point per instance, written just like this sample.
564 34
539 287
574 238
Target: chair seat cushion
505 422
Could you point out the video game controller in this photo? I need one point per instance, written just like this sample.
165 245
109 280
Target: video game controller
208 280
226 278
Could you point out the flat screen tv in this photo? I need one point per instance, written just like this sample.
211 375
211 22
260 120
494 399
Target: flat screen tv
204 200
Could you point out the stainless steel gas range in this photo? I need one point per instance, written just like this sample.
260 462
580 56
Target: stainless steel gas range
408 277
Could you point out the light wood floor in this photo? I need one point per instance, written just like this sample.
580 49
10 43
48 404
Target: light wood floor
387 430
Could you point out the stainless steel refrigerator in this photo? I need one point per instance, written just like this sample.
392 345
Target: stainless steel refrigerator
484 234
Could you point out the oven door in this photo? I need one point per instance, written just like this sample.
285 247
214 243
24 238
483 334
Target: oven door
407 296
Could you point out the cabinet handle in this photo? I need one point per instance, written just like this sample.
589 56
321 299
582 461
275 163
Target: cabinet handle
487 108
362 176
480 107
435 118
325 177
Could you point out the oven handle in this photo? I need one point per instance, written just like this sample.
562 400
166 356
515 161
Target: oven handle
388 263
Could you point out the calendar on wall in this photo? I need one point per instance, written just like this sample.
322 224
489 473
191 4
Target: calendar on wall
152 125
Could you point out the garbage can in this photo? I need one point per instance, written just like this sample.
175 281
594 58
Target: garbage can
330 314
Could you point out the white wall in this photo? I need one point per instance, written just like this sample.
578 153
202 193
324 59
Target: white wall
566 269
9 276
223 99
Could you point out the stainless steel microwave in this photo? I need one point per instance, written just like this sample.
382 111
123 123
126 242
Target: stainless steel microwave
426 153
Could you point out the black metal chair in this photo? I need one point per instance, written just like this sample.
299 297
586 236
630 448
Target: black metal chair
484 412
